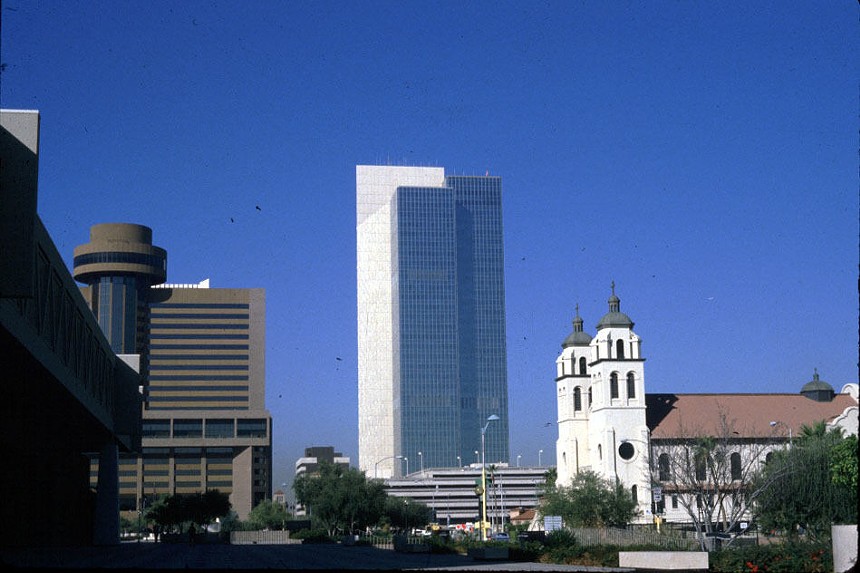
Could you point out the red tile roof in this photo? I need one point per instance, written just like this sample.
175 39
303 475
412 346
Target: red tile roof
676 415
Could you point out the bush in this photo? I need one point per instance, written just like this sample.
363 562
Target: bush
312 536
526 551
560 538
776 558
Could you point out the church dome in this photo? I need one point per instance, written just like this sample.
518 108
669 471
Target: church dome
614 318
817 389
577 337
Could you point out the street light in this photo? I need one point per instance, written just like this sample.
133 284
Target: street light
492 418
477 459
518 459
407 464
376 465
459 462
539 455
775 423
421 462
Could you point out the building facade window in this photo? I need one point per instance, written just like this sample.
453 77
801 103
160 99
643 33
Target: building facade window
626 450
619 349
582 366
188 428
631 385
219 428
663 467
577 399
700 464
735 460
613 385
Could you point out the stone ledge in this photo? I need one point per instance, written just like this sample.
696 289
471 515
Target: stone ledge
665 560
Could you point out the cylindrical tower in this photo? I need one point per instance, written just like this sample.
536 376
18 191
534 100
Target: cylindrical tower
119 264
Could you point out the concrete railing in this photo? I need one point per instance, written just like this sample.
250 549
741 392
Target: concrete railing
844 547
668 560
262 538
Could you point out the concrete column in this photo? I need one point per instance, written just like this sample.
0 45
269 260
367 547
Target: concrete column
844 547
106 526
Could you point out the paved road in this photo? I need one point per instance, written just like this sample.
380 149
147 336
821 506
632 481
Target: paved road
163 556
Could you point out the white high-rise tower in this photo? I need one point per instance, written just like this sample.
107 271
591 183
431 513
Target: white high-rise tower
432 360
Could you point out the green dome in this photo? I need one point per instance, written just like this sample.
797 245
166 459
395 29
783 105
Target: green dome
816 385
614 318
577 337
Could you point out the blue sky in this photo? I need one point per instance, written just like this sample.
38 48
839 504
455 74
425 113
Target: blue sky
703 155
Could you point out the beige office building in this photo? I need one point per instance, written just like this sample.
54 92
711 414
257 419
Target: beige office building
201 351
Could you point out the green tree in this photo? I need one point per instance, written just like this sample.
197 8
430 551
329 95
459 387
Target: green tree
198 508
406 513
815 485
268 515
843 465
590 501
713 474
340 499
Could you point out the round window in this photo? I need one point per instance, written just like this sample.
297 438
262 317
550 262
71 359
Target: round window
626 450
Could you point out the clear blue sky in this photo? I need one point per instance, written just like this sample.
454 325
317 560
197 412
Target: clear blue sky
703 155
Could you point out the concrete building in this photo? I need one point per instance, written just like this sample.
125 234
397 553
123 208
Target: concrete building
309 465
608 424
432 361
451 492
315 455
201 352
63 391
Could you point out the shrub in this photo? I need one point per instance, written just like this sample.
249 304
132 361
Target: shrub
777 558
312 536
526 551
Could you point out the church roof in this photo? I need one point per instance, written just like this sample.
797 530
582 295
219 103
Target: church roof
614 318
578 337
816 384
683 415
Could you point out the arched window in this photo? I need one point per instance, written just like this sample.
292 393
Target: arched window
700 462
589 397
631 386
577 399
613 385
619 349
663 467
736 465
582 371
634 494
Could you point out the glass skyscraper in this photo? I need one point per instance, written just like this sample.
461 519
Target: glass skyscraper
431 319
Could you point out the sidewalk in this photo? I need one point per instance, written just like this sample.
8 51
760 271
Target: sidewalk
182 556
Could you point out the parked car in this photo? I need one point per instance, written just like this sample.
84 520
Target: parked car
500 537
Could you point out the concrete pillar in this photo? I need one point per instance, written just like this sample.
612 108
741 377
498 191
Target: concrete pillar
844 547
106 526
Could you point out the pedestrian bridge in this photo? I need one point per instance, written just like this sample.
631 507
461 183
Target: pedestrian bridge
64 394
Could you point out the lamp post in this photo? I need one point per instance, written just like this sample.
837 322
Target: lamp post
518 459
477 459
459 462
376 465
540 452
775 423
492 418
421 462
407 464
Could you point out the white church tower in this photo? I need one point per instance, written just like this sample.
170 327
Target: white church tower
573 386
601 405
